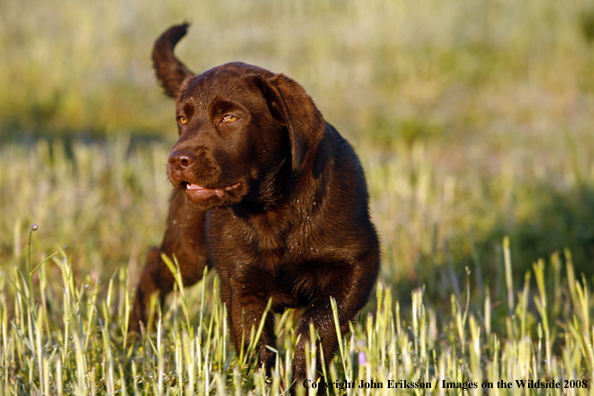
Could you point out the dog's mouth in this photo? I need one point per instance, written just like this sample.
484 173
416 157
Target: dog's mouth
199 194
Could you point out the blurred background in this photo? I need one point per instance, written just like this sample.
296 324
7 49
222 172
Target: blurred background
473 120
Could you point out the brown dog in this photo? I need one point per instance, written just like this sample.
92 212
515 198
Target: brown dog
271 195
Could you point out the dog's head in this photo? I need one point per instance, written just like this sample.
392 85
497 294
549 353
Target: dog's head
238 126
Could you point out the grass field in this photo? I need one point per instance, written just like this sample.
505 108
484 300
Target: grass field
473 121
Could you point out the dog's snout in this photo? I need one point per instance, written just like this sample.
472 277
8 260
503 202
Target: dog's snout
180 160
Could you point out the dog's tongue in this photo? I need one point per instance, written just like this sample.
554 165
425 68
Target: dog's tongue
194 187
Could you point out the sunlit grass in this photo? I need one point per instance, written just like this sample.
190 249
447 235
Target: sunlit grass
78 345
65 319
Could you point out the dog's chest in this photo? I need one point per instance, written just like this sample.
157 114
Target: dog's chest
259 241
285 256
264 238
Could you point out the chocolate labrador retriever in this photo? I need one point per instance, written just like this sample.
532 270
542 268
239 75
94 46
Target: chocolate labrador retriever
269 194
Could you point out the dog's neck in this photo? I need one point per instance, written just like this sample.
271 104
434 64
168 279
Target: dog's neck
281 188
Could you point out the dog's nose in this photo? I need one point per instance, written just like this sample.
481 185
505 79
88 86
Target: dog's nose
180 160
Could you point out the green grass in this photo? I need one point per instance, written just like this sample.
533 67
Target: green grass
473 122
61 337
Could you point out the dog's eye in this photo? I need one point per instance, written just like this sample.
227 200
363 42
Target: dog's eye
182 120
228 119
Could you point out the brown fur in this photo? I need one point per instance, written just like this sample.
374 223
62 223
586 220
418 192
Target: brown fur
279 205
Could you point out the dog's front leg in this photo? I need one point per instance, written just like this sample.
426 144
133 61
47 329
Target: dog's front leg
246 305
350 287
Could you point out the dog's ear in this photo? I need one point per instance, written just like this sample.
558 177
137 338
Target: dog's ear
294 108
169 70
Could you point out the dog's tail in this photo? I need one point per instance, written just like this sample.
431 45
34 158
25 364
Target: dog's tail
169 70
